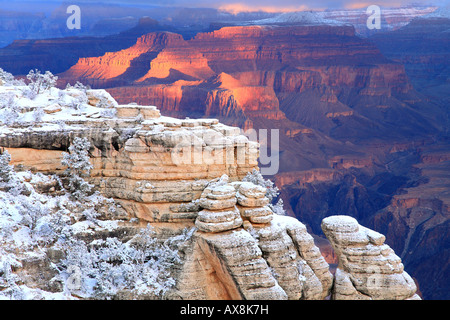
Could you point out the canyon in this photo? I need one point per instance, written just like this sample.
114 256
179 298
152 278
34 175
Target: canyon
366 113
363 122
347 115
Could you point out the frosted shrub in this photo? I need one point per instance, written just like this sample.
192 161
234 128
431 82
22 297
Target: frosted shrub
278 208
39 82
106 113
7 99
78 102
38 113
32 211
8 279
10 116
256 177
6 170
28 93
78 167
8 179
105 267
80 86
51 226
9 110
272 193
6 77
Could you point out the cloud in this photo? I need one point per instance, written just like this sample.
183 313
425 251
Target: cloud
243 7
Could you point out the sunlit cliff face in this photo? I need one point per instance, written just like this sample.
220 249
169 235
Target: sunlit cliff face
250 69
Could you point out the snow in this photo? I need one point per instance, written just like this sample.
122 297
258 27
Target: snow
340 223
32 223
52 109
300 17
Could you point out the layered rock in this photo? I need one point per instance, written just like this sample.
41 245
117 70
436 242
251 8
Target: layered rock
415 223
253 200
368 268
114 64
219 211
153 165
288 251
294 259
313 83
236 260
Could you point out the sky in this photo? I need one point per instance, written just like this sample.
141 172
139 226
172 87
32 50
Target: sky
292 5
245 5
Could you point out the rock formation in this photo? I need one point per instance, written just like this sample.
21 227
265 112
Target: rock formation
297 269
219 210
175 174
368 268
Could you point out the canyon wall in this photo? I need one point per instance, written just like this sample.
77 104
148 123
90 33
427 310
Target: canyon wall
265 71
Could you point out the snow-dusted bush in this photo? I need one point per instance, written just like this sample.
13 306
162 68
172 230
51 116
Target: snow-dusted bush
38 113
8 279
33 222
39 82
8 179
6 170
278 208
106 113
6 77
29 93
9 110
78 167
257 178
272 192
142 265
78 85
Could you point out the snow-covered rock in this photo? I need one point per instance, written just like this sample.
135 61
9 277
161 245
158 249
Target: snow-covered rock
299 17
368 268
